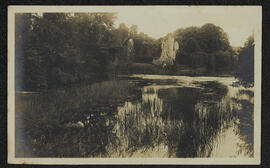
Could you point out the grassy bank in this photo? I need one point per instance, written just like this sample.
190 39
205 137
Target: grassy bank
47 123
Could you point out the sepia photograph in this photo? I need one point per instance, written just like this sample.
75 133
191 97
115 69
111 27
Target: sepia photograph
134 84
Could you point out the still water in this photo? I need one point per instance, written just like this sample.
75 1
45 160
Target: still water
138 116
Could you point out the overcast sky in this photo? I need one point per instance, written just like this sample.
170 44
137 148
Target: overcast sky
238 22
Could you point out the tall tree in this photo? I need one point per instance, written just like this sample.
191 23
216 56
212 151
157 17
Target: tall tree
207 46
245 71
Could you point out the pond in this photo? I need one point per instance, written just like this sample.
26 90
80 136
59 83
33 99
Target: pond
138 116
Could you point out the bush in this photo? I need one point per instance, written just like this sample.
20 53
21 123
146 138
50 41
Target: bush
143 68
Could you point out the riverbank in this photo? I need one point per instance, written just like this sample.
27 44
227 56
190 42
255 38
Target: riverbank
176 70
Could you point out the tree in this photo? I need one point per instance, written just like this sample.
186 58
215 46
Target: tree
146 48
133 30
213 39
58 49
207 46
245 69
29 72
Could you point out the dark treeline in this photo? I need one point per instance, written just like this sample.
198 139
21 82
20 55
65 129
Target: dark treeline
58 49
245 66
205 47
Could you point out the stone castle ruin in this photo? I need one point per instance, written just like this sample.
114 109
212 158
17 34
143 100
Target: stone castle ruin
169 49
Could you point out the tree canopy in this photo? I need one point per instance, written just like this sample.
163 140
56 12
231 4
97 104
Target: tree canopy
60 48
207 46
245 68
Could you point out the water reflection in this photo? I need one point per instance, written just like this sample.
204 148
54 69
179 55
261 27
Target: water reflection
145 116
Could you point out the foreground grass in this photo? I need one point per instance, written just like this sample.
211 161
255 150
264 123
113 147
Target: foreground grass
64 122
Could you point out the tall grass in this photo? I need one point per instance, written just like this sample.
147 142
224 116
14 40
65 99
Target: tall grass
41 119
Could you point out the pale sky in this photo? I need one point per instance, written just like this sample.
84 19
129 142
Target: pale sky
238 22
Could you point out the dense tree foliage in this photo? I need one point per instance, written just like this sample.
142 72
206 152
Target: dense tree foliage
207 46
56 49
146 48
245 68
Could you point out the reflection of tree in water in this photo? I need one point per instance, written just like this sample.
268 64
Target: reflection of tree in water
244 111
203 112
